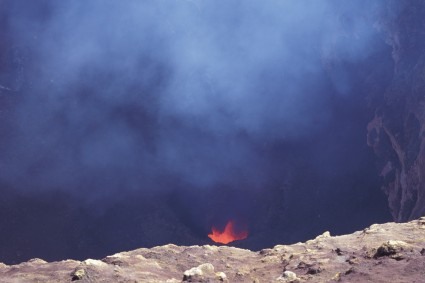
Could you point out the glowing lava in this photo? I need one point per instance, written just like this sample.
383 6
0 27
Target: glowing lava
228 235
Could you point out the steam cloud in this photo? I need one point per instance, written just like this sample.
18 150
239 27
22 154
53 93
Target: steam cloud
116 96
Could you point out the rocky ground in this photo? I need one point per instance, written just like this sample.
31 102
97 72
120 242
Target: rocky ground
391 252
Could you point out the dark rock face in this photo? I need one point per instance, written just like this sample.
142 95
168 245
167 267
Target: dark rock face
396 133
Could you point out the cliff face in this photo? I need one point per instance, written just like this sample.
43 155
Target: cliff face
396 133
375 254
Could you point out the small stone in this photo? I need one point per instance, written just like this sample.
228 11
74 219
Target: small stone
373 229
351 270
211 248
94 262
390 248
221 276
326 234
288 276
337 277
352 260
266 252
78 274
37 261
199 272
320 237
338 251
314 270
115 261
240 273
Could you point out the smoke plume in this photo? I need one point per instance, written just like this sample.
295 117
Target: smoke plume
119 95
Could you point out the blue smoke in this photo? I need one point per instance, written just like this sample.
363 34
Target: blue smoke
119 96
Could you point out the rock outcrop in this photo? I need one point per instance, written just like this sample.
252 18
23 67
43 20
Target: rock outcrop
397 131
381 253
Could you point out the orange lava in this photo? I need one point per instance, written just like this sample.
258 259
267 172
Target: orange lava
228 235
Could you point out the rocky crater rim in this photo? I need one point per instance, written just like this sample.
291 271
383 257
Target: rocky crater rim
372 254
